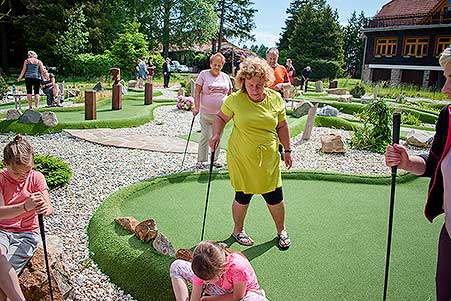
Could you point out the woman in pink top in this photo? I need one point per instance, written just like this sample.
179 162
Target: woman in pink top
437 165
212 86
23 195
220 273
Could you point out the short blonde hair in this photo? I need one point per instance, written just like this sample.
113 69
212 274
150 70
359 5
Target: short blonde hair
31 53
218 55
254 67
445 57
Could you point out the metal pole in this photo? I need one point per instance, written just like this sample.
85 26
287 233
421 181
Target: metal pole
187 142
212 159
396 129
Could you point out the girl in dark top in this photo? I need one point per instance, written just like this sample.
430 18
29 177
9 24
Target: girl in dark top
33 69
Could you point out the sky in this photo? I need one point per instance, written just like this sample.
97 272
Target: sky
271 16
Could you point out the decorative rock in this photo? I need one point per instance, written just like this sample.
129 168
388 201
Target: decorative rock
345 98
184 254
327 111
302 109
332 143
13 114
98 87
132 83
333 84
73 92
163 245
30 116
128 223
319 87
34 281
420 139
366 99
146 230
337 91
49 119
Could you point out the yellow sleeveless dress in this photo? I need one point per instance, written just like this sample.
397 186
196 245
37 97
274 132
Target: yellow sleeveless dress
252 152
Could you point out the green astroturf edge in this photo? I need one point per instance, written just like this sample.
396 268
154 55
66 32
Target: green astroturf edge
128 262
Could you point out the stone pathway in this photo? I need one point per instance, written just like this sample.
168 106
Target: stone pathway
117 137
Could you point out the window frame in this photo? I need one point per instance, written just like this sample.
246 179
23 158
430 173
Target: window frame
390 42
437 44
417 45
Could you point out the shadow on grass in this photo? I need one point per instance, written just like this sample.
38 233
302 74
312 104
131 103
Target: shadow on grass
258 250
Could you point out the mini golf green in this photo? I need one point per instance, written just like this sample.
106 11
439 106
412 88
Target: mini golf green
338 225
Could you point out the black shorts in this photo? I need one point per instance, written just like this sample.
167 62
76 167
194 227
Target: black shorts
271 198
32 85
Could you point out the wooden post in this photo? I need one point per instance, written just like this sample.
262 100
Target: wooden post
117 97
310 122
90 105
148 90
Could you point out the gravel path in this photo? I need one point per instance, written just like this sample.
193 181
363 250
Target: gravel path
113 168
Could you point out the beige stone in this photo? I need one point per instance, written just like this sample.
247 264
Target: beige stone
128 223
49 119
420 139
319 86
332 143
345 98
13 114
163 246
337 91
146 230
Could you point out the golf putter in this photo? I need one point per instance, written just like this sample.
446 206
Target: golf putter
208 190
394 169
46 258
187 142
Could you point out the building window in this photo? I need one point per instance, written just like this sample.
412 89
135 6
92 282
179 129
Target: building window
417 47
386 47
442 44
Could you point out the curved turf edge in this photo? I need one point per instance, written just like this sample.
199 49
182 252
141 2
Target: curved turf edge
145 260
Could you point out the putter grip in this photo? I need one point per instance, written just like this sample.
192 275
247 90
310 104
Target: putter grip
396 127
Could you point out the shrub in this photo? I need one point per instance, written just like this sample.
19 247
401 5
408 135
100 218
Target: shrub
358 91
92 65
3 87
56 172
201 61
375 134
410 118
158 61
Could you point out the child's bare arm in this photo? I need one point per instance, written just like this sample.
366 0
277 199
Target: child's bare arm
11 211
44 206
196 293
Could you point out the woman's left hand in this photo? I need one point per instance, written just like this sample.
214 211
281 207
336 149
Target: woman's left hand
287 159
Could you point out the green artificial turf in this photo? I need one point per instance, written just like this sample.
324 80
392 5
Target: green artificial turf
133 113
338 225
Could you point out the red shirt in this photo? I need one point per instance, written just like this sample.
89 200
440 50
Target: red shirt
15 192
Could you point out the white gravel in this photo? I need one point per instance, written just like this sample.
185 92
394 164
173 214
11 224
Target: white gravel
100 170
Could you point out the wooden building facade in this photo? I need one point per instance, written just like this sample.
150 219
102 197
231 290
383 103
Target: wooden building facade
404 40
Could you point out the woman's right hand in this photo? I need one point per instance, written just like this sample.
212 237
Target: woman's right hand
396 155
214 142
195 111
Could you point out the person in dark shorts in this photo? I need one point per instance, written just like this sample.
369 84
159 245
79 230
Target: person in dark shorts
33 70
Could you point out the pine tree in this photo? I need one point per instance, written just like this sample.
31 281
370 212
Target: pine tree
354 44
236 20
290 23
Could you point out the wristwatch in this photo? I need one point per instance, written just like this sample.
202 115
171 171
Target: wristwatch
287 151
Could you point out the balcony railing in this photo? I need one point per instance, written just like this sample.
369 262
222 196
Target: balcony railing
412 19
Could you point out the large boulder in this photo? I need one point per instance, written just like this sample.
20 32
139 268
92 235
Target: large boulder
302 109
30 116
128 223
337 91
332 143
98 87
327 111
34 281
146 230
13 114
345 98
420 138
132 83
163 246
49 119
319 86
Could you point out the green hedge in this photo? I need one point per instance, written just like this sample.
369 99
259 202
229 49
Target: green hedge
322 69
57 173
92 65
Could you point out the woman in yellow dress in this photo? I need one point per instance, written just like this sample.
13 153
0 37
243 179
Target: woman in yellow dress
259 120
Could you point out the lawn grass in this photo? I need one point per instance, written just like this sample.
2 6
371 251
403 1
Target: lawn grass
338 225
133 113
